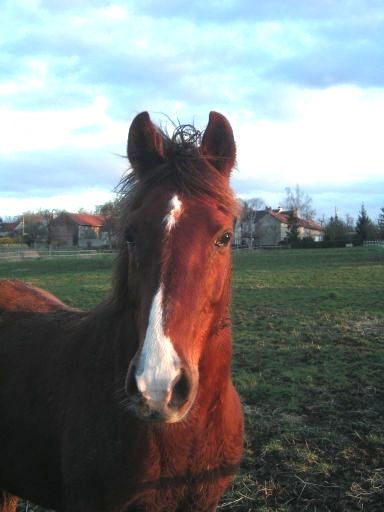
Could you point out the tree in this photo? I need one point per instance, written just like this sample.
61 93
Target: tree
249 216
111 211
336 229
380 224
350 223
293 227
255 204
365 228
300 202
250 207
35 227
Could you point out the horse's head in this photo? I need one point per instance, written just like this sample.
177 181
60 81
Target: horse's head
178 227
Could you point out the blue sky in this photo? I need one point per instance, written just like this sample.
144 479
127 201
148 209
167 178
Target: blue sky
302 83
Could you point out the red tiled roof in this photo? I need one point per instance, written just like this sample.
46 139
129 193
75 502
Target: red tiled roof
7 227
304 223
282 217
86 219
310 224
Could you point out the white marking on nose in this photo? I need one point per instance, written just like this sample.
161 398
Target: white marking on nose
159 363
175 207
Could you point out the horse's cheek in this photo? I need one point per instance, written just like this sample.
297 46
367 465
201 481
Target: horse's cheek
217 282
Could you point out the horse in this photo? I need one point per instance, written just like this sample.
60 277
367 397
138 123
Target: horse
130 407
16 295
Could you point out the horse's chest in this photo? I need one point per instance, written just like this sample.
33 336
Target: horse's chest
180 494
182 476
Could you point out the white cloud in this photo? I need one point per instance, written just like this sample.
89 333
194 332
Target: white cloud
70 202
332 136
302 82
85 127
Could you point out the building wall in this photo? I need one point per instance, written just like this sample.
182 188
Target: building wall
317 236
237 234
67 233
64 232
268 231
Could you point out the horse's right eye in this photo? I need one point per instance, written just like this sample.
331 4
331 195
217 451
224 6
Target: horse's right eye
224 239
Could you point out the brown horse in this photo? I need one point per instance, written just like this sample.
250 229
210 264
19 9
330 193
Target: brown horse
131 407
17 295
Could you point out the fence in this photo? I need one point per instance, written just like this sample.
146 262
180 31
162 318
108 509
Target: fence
374 242
236 247
17 254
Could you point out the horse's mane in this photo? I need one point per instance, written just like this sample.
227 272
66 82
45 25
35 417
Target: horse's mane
185 169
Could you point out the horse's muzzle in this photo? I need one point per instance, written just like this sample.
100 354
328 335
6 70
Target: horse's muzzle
168 406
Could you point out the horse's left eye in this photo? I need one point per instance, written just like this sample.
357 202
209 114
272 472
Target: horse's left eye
224 239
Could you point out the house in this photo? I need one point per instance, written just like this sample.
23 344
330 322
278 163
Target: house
31 228
78 229
9 229
271 227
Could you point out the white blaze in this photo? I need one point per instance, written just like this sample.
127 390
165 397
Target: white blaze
175 206
159 363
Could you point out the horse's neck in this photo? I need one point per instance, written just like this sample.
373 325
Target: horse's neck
111 330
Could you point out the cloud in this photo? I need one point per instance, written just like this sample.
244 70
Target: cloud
330 144
302 83
235 53
85 127
342 56
331 135
87 200
230 10
50 173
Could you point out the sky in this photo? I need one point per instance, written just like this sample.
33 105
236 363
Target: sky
302 83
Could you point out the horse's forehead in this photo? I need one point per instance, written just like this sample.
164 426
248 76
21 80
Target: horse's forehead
204 215
175 209
166 209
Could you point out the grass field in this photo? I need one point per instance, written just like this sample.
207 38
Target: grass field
309 365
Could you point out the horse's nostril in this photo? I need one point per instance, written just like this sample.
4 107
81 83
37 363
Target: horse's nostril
181 391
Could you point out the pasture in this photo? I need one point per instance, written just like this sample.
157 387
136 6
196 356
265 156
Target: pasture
309 365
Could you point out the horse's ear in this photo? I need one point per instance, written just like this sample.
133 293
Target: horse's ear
218 144
145 144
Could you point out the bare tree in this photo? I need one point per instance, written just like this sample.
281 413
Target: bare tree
299 201
256 203
111 211
349 222
249 217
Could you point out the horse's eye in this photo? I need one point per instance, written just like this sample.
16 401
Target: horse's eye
224 239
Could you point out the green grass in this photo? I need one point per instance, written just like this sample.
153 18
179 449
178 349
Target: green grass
308 363
79 282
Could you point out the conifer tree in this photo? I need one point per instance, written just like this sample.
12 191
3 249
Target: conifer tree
380 224
336 229
365 228
293 227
